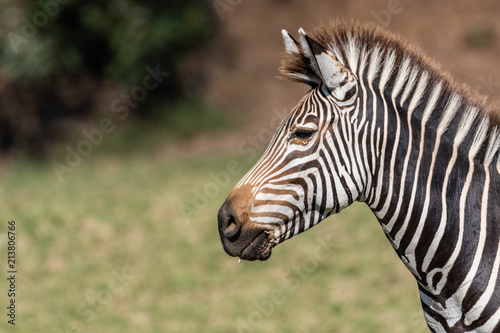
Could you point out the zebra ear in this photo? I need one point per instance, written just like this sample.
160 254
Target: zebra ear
291 45
334 75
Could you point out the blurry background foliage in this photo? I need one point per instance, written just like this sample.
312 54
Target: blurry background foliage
60 60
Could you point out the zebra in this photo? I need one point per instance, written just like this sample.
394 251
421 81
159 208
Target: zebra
384 125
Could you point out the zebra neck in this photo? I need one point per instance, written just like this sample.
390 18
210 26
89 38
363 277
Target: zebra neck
435 184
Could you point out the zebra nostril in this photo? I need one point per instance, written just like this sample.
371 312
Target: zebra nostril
233 227
229 223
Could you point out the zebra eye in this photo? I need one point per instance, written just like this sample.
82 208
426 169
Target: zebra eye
303 133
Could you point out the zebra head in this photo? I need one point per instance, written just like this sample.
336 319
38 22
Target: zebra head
307 171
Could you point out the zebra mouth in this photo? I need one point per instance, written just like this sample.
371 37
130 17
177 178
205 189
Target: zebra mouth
241 237
258 249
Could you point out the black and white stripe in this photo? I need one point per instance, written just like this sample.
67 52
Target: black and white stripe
422 152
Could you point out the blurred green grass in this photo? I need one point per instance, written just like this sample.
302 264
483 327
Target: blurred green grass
111 249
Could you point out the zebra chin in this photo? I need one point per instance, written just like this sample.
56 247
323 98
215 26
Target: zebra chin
259 249
240 237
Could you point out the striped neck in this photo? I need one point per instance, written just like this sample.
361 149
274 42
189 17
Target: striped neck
433 155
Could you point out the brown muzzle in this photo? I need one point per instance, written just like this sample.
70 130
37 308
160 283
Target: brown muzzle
239 236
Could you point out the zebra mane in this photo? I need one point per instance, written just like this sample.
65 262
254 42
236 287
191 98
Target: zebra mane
381 56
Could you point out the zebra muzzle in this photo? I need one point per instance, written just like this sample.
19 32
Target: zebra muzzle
241 238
